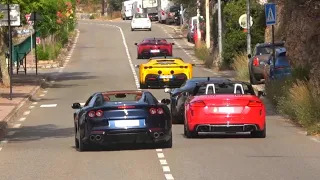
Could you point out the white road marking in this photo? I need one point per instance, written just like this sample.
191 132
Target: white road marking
10 133
31 107
48 105
160 155
0 148
315 139
166 168
4 141
159 150
26 113
41 95
82 104
45 91
16 126
34 103
22 119
169 176
163 161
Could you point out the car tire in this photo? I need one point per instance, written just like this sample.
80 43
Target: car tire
139 57
253 80
260 134
132 29
149 29
189 134
143 86
167 144
163 21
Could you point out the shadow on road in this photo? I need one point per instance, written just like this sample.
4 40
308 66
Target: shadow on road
74 76
122 147
34 133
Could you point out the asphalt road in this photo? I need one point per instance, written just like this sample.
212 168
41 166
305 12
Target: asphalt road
43 146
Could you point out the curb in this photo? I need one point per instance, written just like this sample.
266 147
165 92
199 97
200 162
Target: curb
33 92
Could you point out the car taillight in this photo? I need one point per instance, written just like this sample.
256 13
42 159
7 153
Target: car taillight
254 104
99 113
138 9
153 111
256 61
160 111
91 114
162 12
198 104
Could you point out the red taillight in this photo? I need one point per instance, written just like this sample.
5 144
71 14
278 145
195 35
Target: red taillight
256 61
138 10
153 111
99 113
162 12
91 114
160 111
254 104
126 107
198 104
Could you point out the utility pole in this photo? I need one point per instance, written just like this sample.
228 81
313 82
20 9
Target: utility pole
248 28
10 47
219 30
208 24
198 22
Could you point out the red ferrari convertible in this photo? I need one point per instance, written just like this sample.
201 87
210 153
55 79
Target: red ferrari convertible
151 47
227 106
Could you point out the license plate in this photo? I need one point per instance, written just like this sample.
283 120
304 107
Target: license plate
166 77
155 50
126 123
226 109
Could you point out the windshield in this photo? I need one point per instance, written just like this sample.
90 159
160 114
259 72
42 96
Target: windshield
120 97
149 3
266 50
140 15
223 88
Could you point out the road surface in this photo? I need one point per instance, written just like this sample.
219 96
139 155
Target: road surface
40 145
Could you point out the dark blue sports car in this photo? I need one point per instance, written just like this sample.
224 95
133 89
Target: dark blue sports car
122 117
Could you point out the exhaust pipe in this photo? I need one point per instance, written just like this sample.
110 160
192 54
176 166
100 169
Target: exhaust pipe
161 134
92 138
98 137
155 135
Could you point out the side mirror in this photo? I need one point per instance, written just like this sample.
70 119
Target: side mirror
261 93
249 56
76 106
167 90
137 66
165 101
136 44
172 43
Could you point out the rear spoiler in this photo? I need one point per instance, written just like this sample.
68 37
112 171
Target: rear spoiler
236 86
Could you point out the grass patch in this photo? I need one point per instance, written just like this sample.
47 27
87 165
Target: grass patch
294 98
202 52
240 65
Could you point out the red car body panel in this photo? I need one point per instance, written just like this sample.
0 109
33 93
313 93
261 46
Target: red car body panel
159 47
215 110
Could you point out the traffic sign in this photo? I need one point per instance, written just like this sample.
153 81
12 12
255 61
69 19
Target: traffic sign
14 15
38 40
270 13
243 21
28 19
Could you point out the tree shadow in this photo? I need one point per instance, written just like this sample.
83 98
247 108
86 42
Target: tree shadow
67 76
34 133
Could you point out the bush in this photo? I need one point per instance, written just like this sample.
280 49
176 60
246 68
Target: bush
202 52
240 65
50 52
294 99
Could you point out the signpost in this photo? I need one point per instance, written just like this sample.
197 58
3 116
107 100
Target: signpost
243 21
28 16
11 17
271 18
35 17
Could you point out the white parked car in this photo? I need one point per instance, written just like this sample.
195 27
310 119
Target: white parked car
141 21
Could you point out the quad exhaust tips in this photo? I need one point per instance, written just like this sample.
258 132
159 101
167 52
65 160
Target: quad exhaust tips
95 137
157 135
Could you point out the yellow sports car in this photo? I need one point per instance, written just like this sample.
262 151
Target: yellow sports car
164 71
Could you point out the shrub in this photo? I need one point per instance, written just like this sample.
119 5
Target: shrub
50 52
240 65
294 99
202 52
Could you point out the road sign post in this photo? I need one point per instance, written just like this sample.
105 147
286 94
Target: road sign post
271 18
34 18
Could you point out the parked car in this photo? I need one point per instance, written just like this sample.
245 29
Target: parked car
141 21
171 11
261 54
192 28
282 67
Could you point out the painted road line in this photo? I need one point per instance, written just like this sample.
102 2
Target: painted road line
26 113
5 141
0 148
166 168
34 103
41 95
48 105
163 161
160 155
16 125
82 104
22 119
169 176
159 150
31 107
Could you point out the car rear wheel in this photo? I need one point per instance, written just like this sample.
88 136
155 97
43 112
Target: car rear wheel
260 134
132 29
143 86
149 29
189 134
167 144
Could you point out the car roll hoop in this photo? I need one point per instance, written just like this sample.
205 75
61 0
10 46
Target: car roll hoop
236 88
208 88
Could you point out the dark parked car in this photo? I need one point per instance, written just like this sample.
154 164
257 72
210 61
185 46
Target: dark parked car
122 117
260 57
178 96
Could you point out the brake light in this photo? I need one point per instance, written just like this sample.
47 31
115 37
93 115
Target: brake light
92 114
198 104
160 111
153 111
99 113
162 12
138 10
256 61
254 104
126 107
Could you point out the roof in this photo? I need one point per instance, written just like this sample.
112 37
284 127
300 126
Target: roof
222 80
155 39
124 91
165 57
267 44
